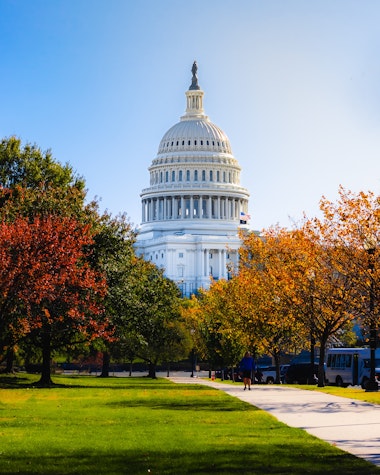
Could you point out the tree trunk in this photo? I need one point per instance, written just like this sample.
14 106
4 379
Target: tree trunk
321 365
106 365
152 370
276 357
45 380
9 360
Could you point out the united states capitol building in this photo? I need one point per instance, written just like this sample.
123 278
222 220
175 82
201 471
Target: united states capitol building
194 205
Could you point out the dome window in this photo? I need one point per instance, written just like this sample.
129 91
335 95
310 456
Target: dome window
167 144
203 175
211 177
201 142
167 177
187 175
173 175
183 142
195 175
180 175
218 175
177 143
213 143
195 142
208 143
189 142
172 144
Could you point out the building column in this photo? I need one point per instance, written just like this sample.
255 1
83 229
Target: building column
191 207
209 207
182 207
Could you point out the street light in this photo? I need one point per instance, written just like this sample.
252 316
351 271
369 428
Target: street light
192 331
371 384
311 277
192 362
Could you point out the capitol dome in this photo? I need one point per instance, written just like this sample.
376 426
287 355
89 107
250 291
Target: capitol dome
195 204
195 134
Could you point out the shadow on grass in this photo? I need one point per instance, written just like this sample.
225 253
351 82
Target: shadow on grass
245 460
94 382
14 382
192 404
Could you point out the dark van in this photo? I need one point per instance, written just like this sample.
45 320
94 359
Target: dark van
299 373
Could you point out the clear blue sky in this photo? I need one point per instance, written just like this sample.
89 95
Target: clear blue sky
294 84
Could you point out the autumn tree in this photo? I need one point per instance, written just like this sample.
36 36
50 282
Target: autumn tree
350 231
48 291
213 321
33 183
268 298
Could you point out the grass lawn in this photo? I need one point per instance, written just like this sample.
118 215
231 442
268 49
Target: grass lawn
352 392
88 425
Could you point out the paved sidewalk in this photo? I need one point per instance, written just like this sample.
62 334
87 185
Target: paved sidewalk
351 425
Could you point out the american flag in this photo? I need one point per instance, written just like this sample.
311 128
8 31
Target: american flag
244 217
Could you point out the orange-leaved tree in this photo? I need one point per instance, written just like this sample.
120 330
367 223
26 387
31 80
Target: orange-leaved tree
213 319
268 297
48 291
350 231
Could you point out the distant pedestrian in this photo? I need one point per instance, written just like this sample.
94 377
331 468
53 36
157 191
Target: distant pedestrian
247 366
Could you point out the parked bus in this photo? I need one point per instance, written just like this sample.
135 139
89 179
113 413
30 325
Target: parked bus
350 366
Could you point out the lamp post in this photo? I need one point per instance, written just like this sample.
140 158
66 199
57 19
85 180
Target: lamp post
372 384
192 331
192 362
311 277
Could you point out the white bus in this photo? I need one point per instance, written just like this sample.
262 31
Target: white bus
350 366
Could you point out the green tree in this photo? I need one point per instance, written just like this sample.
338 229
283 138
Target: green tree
155 315
32 183
113 255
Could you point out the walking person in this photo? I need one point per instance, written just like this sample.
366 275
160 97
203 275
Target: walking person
247 366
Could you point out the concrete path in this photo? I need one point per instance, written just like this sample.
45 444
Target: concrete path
349 424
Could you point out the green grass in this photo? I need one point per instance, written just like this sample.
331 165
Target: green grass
350 392
89 425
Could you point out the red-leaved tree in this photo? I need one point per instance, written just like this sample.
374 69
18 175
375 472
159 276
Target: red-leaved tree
47 288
